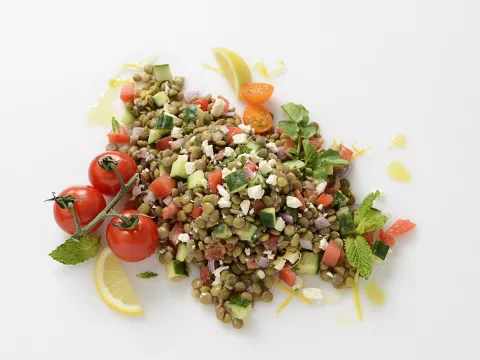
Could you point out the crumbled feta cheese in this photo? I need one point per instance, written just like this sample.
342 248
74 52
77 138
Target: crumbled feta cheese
311 206
217 273
190 167
224 203
321 187
279 224
184 151
205 183
217 108
272 180
299 215
261 274
264 167
224 216
223 193
247 251
245 128
269 254
192 139
251 211
254 157
305 210
280 264
245 206
329 274
293 202
184 237
320 207
325 214
272 147
314 294
209 150
240 139
323 244
272 163
224 129
229 152
176 133
146 170
225 172
298 283
220 262
255 192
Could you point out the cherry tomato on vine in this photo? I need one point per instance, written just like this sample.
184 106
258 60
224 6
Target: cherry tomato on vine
90 202
258 117
256 93
106 181
132 244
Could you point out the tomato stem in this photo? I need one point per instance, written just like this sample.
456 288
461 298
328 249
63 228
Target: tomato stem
71 207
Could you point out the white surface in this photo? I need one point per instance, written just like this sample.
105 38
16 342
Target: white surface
366 70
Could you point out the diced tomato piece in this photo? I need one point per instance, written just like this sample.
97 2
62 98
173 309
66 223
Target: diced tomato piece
387 238
325 200
214 251
316 141
278 130
307 193
174 232
121 137
196 211
232 131
271 243
164 144
251 165
400 227
226 103
299 196
220 155
289 144
162 186
203 103
332 254
228 245
333 188
251 263
346 153
214 179
170 211
204 273
369 237
288 276
127 93
258 205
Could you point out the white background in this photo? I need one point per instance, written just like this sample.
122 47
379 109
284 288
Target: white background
366 70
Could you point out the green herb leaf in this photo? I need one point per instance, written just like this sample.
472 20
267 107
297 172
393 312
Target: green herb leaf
243 149
115 126
297 113
76 251
359 254
332 157
320 173
147 275
366 218
289 127
309 151
308 131
292 151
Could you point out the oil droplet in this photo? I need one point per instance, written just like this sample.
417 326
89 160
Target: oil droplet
399 142
375 295
102 113
398 172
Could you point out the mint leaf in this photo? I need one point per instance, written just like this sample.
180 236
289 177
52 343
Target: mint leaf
359 254
366 218
332 157
320 173
73 252
289 127
297 113
309 149
292 151
115 126
147 275
308 131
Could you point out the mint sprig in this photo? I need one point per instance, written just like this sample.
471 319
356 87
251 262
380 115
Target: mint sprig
147 275
359 254
73 252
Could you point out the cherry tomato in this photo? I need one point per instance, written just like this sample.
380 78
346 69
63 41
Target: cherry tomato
288 276
258 118
324 200
91 204
257 206
332 254
173 234
317 142
164 144
127 93
120 137
226 103
232 131
289 144
196 211
256 93
204 274
346 153
132 244
106 181
203 103
170 211
214 179
162 186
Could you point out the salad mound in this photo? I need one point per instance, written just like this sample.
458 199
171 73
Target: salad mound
248 203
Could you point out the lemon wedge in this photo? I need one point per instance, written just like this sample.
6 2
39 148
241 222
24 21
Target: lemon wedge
113 285
233 67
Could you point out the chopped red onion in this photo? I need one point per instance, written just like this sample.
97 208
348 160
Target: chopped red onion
354 207
248 173
167 200
229 114
287 218
149 158
321 223
149 197
191 95
281 153
306 244
342 174
136 190
136 133
143 154
211 265
262 262
177 144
